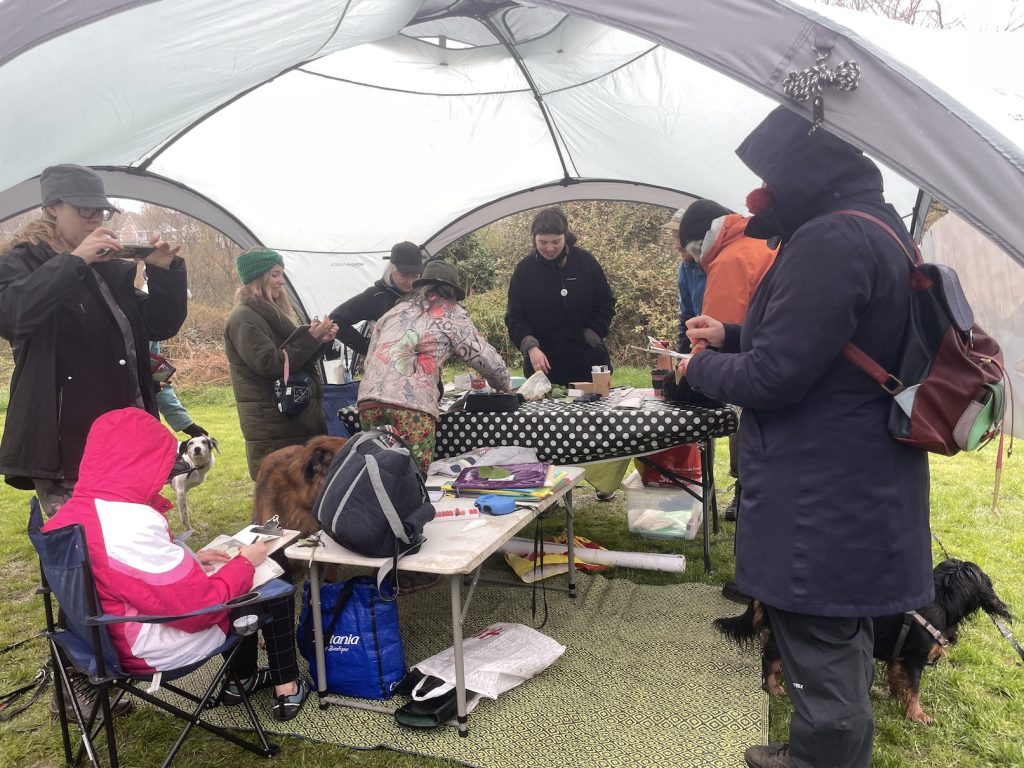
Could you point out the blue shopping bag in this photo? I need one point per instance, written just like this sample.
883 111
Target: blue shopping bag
363 654
336 397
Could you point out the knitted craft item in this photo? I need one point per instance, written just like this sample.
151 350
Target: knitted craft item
252 264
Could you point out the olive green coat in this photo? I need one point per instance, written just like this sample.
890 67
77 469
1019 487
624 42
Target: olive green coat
255 332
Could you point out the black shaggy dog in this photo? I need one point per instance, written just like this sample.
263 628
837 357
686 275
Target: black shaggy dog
961 589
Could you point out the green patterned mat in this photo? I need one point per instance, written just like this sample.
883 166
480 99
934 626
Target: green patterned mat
645 681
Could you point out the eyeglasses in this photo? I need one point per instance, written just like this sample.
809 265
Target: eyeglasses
88 213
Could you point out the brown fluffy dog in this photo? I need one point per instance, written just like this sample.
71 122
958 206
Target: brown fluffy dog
289 479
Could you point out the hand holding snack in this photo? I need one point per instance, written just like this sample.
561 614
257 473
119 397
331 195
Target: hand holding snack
704 332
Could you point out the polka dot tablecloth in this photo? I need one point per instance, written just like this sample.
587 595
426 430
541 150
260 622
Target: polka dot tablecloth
576 433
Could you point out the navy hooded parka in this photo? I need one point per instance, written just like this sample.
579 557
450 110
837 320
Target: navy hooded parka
834 511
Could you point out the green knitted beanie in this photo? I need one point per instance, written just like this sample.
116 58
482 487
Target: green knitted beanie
252 264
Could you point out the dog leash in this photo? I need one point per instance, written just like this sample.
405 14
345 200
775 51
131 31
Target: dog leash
37 686
1009 636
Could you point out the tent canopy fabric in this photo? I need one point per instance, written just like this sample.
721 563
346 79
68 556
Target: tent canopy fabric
330 129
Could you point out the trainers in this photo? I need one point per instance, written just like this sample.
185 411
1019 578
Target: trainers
230 695
85 693
731 591
732 510
774 755
602 496
287 707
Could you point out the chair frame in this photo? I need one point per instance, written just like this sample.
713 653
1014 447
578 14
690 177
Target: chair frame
108 676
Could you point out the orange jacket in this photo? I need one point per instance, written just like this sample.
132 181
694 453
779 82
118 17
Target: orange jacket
735 265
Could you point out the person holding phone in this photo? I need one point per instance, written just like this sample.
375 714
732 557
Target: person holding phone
260 331
79 329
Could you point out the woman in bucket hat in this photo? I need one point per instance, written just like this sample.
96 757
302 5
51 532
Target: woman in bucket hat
407 353
255 342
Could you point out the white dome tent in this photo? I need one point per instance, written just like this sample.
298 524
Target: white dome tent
330 129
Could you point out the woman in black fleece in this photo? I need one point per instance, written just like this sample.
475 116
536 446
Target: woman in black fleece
559 304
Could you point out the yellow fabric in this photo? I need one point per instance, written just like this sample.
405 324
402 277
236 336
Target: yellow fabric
553 563
606 476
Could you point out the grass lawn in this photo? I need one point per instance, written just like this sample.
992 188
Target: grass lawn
976 696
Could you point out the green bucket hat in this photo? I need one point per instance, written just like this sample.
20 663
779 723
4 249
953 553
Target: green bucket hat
438 271
252 264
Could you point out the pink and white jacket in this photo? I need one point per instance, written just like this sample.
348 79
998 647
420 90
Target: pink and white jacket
138 568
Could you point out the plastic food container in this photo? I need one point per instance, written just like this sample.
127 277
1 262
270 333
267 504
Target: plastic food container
661 513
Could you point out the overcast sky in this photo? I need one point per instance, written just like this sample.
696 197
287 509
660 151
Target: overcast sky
976 14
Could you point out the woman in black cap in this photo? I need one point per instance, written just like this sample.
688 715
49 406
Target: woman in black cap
406 264
559 304
79 329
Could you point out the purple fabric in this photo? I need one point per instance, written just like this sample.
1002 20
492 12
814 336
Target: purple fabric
523 476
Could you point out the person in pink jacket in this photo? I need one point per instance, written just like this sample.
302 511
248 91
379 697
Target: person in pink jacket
140 569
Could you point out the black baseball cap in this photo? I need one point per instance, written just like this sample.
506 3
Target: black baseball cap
407 258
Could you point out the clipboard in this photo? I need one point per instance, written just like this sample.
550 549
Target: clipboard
297 333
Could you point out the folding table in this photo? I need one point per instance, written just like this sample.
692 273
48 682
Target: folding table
452 548
565 433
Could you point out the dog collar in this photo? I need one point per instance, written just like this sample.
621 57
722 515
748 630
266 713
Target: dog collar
911 616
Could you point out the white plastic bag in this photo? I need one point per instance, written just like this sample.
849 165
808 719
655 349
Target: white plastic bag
536 387
496 660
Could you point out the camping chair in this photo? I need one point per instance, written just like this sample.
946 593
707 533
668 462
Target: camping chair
85 644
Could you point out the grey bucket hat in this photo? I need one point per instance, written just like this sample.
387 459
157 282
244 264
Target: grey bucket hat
74 184
438 271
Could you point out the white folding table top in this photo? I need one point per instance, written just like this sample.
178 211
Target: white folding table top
449 547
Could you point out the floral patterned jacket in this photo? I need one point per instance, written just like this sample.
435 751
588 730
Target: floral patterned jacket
409 347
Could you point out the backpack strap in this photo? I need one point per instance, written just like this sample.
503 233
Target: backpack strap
854 354
914 260
394 520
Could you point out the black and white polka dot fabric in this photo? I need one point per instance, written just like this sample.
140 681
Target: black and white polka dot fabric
577 433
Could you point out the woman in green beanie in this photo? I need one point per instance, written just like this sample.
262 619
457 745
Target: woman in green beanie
254 339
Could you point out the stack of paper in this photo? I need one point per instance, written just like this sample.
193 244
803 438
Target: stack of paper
265 571
554 480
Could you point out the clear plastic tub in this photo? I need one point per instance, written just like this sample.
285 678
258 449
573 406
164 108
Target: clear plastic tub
661 513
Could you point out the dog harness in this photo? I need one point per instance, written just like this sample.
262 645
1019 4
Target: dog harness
908 618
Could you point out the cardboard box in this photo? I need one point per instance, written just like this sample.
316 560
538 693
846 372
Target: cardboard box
586 387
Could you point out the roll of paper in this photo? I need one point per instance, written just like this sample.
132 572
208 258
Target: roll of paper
647 561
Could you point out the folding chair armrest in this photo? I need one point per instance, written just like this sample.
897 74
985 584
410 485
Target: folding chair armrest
272 590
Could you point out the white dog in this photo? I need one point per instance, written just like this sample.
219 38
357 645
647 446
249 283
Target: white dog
198 454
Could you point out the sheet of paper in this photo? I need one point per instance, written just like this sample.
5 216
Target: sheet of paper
265 571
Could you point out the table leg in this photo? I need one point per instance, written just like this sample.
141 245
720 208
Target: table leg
460 672
318 631
707 477
570 543
711 481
